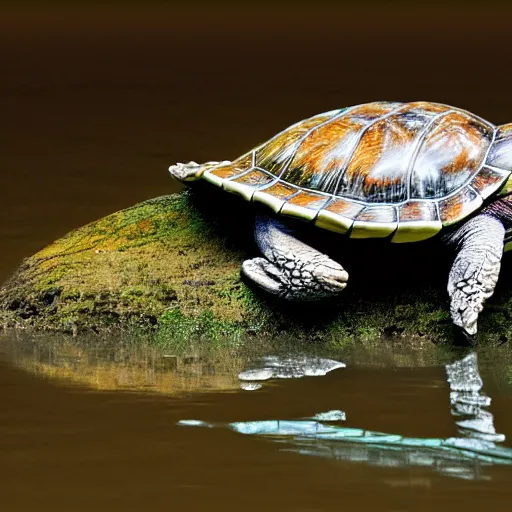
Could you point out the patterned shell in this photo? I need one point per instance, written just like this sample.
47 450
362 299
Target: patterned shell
398 170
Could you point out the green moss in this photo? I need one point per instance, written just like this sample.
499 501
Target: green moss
171 266
177 330
128 267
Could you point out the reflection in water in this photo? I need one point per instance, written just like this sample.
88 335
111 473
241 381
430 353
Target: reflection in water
278 367
463 457
146 368
335 415
120 363
453 456
468 401
126 367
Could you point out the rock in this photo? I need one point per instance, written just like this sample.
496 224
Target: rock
171 266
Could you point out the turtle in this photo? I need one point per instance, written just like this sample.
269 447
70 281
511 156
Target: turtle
399 171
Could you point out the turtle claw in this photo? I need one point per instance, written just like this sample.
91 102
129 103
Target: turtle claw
289 283
464 316
264 274
466 306
469 295
332 278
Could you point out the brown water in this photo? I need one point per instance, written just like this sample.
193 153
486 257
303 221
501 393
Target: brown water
95 104
95 427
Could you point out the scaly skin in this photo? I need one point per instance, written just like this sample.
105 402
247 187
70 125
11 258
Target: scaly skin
476 268
292 269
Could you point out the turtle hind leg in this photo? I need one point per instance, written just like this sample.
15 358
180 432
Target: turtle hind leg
292 269
476 268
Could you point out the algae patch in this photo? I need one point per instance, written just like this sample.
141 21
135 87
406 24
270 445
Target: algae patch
136 267
170 266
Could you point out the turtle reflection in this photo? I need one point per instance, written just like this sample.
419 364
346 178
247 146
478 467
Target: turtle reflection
469 403
464 456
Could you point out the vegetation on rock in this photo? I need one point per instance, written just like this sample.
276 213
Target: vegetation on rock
171 266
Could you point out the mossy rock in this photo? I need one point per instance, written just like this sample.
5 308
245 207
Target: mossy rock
171 266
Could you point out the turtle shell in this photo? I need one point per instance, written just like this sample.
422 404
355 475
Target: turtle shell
383 169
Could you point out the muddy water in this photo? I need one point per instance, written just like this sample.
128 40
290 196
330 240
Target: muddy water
96 427
95 105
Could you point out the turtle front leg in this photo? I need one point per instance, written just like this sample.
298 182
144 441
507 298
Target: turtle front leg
292 269
476 268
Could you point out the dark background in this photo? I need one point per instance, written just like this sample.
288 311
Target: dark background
96 102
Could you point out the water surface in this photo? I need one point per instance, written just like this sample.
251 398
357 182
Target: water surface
97 426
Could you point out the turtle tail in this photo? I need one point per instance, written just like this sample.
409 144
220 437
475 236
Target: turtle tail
192 171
